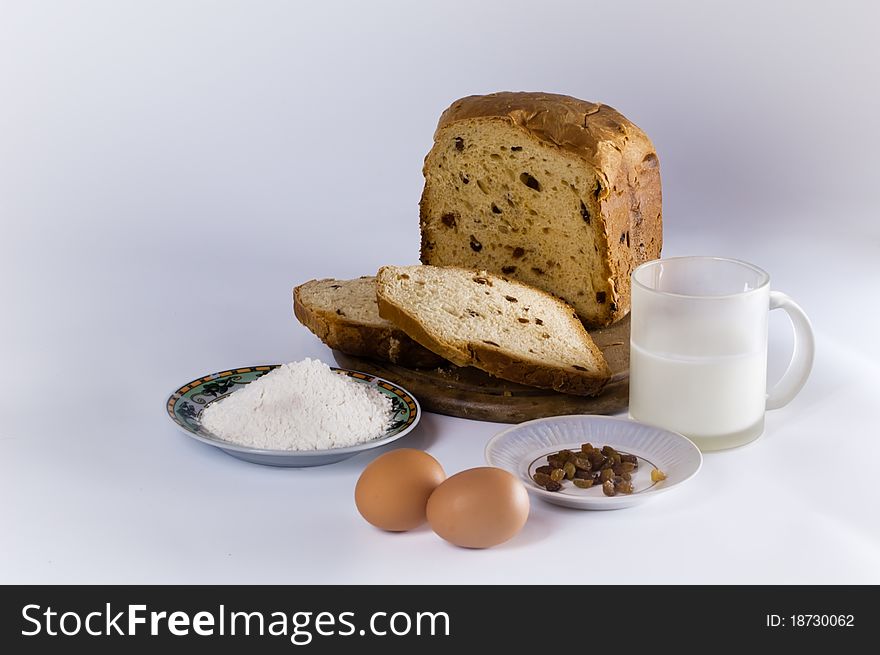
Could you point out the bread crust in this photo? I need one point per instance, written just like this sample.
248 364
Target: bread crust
611 146
578 126
496 360
502 365
354 338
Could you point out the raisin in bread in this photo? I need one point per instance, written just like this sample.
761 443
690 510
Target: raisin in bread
557 192
343 314
506 328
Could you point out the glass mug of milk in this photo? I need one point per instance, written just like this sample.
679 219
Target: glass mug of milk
698 349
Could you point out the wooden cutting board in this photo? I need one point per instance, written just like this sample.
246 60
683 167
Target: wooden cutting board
471 393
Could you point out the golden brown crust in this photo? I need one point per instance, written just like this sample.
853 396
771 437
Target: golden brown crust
583 128
354 338
502 365
620 154
633 222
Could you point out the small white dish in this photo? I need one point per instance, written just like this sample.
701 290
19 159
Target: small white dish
522 448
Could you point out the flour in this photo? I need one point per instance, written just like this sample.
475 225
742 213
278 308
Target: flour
300 406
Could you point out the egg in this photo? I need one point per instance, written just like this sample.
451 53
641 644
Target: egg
393 489
479 508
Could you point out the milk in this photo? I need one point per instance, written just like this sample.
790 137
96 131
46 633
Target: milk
699 349
717 401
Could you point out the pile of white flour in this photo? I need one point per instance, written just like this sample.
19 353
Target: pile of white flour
300 406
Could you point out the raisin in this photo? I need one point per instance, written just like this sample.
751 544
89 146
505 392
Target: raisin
495 209
624 486
544 469
582 463
507 270
657 475
600 297
632 459
583 475
476 246
510 299
515 148
569 470
553 485
448 220
608 488
541 478
582 484
518 252
585 213
459 143
530 181
557 475
606 475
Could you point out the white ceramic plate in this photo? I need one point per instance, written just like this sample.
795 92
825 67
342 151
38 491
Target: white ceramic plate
522 448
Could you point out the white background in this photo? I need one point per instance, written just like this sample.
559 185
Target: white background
169 170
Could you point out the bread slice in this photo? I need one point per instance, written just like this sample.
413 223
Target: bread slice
343 314
556 192
506 328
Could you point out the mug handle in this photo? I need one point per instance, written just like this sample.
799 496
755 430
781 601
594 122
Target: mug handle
801 363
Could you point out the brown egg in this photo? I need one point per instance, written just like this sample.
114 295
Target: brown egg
393 489
479 508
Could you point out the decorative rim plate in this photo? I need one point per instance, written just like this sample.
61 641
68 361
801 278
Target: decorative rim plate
186 404
521 448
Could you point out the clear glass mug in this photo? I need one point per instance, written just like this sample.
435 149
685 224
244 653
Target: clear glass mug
698 349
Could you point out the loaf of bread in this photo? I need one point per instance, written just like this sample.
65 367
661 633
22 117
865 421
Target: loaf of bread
556 192
343 314
506 328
